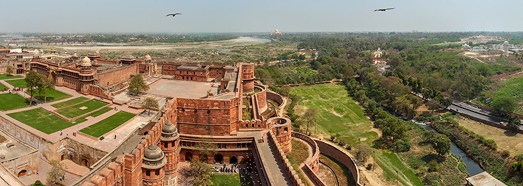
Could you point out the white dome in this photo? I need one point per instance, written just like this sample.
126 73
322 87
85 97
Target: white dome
86 62
148 57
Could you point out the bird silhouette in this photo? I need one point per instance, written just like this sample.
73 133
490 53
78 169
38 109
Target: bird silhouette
175 14
383 9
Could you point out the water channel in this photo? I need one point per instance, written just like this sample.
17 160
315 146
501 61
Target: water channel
473 168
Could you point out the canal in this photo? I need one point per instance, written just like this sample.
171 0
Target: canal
473 168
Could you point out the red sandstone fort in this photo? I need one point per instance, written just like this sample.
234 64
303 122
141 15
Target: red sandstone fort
215 104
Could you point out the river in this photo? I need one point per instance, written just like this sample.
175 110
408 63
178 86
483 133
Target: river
473 168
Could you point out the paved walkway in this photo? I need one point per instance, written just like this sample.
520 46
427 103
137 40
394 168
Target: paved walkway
268 155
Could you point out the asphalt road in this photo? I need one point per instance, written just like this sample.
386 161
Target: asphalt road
470 110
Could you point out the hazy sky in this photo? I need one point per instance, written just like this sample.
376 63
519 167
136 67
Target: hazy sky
259 15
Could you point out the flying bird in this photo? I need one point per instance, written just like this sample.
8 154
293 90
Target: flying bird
383 9
174 14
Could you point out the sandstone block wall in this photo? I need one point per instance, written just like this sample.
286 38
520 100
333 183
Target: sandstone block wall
341 156
207 117
116 76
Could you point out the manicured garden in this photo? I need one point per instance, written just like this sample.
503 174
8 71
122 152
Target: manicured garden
18 83
94 114
52 94
12 101
69 102
6 76
107 124
81 108
226 179
3 87
41 120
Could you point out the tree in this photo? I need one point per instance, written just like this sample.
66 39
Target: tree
9 70
433 105
57 171
198 173
309 119
33 81
44 84
505 105
439 142
138 85
150 103
37 183
364 151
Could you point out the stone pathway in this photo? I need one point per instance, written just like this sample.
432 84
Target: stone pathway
268 155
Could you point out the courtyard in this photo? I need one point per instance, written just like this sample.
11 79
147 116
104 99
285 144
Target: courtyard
82 108
41 120
12 101
107 124
182 89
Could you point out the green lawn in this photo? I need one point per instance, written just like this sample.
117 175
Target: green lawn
94 114
76 110
41 120
107 124
336 112
17 83
512 88
70 102
226 179
395 169
5 76
52 95
3 87
12 101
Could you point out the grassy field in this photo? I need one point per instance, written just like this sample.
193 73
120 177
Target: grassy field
82 108
52 95
3 87
70 102
5 76
512 88
12 101
17 83
336 112
505 141
107 124
395 169
41 120
226 179
94 114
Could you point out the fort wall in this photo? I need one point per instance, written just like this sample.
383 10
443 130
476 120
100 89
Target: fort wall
343 157
116 76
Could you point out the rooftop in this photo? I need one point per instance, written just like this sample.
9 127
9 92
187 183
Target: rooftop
181 89
484 179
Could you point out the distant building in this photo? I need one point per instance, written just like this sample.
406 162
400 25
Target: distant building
276 34
505 48
483 179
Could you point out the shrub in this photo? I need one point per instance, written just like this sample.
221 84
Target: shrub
364 151
433 166
505 154
342 143
369 166
332 138
402 145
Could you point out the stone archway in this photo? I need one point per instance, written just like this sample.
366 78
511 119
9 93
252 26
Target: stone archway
188 156
204 158
233 160
22 173
218 158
